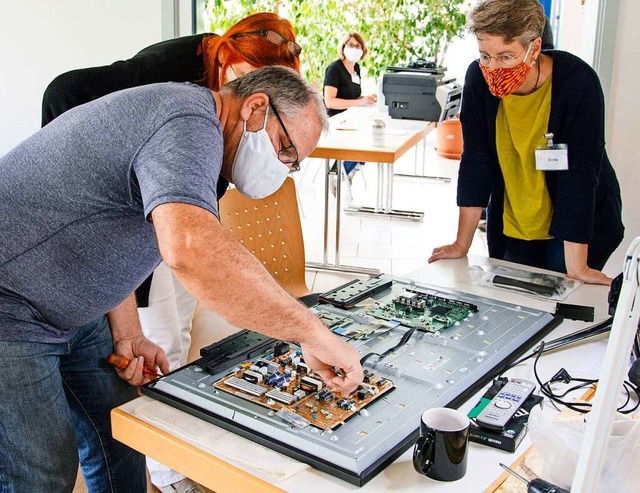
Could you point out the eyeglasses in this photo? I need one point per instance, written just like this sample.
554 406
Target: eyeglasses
357 46
276 38
287 155
505 60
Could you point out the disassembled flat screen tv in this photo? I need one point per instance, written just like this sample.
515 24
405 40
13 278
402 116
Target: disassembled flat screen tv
421 347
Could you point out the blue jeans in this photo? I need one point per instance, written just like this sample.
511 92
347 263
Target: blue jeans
54 410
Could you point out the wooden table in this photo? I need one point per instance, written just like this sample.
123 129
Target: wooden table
350 138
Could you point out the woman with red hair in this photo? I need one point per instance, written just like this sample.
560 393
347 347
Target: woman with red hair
165 308
255 41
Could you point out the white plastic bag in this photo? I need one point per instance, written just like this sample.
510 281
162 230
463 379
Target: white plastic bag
555 287
559 444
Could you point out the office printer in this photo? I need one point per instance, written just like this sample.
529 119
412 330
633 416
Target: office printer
421 95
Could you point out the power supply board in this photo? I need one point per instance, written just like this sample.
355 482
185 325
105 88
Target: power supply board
285 384
420 347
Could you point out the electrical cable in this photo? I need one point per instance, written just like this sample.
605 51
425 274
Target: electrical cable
584 333
405 338
580 407
559 342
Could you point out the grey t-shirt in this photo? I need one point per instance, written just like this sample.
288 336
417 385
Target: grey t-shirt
76 199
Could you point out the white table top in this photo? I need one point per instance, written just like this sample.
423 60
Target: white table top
579 359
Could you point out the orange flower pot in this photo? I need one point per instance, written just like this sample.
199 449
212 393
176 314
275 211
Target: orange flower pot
449 139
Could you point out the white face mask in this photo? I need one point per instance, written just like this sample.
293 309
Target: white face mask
352 54
257 172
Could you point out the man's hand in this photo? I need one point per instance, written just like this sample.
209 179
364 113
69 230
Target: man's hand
328 351
141 353
129 341
455 250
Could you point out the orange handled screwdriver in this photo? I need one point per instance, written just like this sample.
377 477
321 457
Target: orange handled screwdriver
121 362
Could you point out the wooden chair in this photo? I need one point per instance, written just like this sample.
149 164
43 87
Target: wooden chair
270 229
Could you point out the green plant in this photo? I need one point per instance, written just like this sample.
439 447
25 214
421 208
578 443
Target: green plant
396 31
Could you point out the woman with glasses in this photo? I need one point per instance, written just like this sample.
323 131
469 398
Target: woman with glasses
534 151
165 307
342 83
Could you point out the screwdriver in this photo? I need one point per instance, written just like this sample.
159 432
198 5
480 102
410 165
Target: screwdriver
535 485
121 362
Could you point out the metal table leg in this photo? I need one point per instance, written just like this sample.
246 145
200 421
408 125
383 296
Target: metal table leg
325 265
384 199
442 179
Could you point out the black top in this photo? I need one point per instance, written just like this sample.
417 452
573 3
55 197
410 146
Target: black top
587 207
339 77
174 60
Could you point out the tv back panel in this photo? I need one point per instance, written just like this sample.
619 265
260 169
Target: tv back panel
455 343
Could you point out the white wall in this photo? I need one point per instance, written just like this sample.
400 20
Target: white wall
570 28
40 39
623 127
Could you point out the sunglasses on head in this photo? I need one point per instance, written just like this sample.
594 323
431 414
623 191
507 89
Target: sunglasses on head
276 38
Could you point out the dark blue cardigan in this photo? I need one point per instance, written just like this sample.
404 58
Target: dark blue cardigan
587 207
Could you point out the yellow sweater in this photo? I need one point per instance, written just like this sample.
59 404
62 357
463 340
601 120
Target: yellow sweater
520 124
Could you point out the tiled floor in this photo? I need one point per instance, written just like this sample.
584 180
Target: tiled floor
392 245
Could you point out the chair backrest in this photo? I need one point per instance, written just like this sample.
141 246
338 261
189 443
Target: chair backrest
270 229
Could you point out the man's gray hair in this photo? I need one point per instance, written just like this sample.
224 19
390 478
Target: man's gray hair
287 91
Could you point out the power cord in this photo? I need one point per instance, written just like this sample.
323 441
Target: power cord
580 407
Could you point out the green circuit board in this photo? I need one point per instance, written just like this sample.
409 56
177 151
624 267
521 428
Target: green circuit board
423 311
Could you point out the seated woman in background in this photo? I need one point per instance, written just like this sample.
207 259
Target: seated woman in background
342 84
165 308
562 218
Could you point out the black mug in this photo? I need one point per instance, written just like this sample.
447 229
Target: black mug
441 451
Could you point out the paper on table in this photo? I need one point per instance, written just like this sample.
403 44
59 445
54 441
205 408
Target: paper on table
347 125
394 131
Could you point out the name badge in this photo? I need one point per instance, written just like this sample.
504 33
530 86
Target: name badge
552 157
355 78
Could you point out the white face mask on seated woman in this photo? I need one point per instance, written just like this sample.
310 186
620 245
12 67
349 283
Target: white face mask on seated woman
257 172
353 54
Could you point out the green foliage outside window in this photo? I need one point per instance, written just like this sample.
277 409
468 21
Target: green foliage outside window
396 31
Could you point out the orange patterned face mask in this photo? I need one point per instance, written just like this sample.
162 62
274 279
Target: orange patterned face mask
504 81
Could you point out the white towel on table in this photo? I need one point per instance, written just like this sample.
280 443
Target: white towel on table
221 443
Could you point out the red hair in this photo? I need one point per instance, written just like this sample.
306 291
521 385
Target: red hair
257 50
